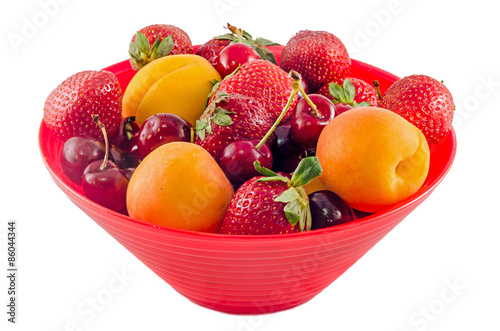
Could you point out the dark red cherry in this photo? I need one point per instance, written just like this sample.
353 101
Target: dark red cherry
286 155
122 137
106 185
77 153
342 108
328 209
160 129
358 214
134 148
234 55
283 144
122 158
237 160
307 122
128 172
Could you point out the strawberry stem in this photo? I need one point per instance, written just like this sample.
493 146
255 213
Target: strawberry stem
106 143
296 85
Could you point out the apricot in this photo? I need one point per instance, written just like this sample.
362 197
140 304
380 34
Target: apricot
314 186
177 84
372 158
179 185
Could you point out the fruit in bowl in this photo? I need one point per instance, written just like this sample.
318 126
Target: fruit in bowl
236 273
179 185
176 84
373 158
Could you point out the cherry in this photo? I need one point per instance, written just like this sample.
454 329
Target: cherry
103 182
358 214
283 143
134 148
286 164
286 155
234 55
342 108
160 129
328 209
122 137
77 153
122 158
128 172
237 160
312 113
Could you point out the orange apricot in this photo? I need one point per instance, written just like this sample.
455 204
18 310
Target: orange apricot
314 186
177 84
372 158
179 185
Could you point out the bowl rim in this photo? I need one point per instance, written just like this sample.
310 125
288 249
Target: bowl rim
409 202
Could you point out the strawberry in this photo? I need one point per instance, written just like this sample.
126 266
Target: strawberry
424 102
155 41
263 81
319 56
69 108
211 49
272 203
228 118
354 92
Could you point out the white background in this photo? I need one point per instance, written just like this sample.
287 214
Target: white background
449 245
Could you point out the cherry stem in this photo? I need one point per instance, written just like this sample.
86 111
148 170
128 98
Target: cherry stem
376 84
128 126
314 110
296 85
106 143
238 32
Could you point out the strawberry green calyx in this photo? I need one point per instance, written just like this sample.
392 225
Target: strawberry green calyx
258 44
215 83
142 52
218 115
297 209
345 94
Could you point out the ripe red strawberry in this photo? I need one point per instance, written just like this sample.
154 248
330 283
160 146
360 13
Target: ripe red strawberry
319 56
273 203
212 48
229 118
155 41
424 102
354 92
253 210
69 108
263 81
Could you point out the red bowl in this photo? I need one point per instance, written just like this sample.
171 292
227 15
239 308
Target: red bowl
250 274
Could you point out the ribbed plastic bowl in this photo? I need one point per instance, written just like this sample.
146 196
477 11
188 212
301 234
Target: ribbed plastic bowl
249 274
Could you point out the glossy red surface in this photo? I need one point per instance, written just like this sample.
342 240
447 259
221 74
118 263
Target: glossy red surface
250 274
